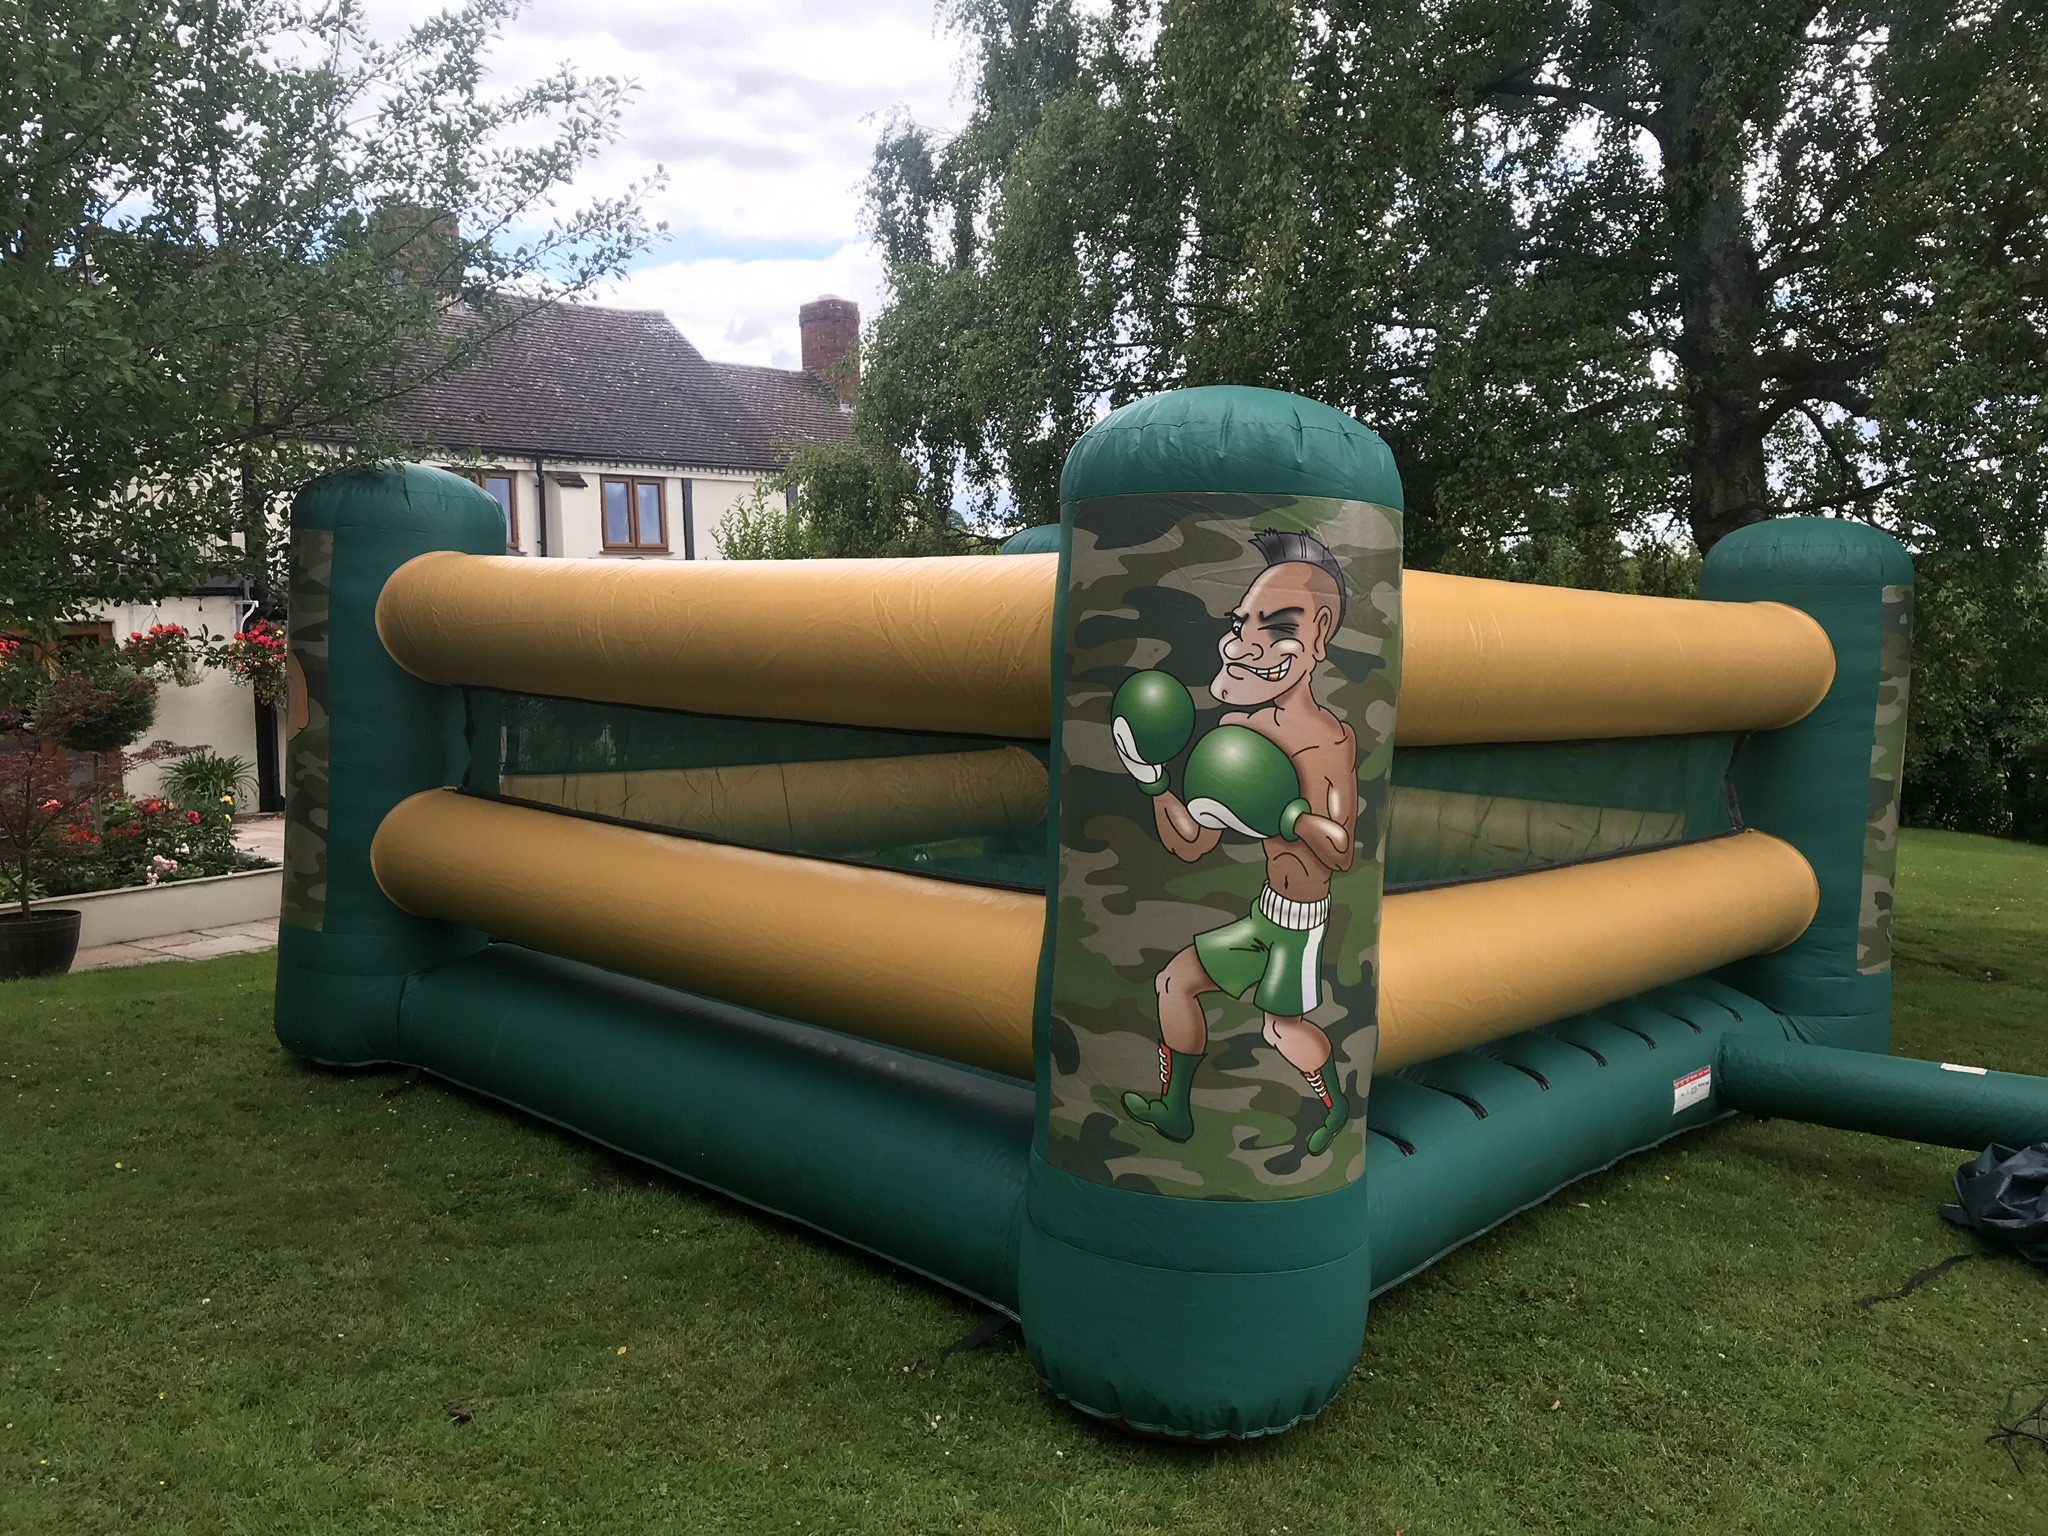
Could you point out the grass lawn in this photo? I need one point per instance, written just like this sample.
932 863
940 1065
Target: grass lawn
238 1294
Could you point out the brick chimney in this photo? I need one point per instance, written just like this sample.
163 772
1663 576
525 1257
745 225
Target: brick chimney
831 332
428 244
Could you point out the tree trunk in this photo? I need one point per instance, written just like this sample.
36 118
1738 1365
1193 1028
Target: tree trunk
1720 289
1729 487
255 536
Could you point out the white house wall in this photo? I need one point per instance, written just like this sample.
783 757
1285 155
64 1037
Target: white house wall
715 496
216 712
575 516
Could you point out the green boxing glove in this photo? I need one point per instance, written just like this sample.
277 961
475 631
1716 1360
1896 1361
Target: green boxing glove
1152 717
1238 781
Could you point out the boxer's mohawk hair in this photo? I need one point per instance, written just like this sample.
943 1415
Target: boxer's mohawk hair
1278 548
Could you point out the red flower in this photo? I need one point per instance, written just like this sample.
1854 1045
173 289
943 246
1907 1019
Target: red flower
193 817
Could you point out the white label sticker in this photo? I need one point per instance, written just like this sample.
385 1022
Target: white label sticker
1949 1066
1691 1089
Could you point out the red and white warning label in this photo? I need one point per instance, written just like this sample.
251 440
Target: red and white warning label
1691 1089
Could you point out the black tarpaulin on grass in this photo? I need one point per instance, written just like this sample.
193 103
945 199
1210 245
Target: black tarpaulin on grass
2004 1195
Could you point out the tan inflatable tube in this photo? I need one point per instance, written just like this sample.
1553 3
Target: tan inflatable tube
950 969
964 644
1506 661
846 806
934 965
946 644
1465 964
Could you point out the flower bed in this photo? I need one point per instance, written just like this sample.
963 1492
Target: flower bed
71 711
117 841
121 841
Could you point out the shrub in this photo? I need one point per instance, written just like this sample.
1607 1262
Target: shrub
207 779
121 841
95 713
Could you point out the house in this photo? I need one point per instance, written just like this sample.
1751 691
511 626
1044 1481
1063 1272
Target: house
601 432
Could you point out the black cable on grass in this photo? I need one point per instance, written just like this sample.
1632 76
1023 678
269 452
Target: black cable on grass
1932 1272
978 1335
2018 1430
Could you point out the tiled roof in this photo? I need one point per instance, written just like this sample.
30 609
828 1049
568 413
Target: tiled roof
574 381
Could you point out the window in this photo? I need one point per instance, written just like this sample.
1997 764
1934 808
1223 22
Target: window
635 516
498 486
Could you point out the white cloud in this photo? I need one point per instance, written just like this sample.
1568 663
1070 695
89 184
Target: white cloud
765 114
744 311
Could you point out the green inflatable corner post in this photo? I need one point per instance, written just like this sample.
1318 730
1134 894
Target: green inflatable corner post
1194 1259
361 735
1829 784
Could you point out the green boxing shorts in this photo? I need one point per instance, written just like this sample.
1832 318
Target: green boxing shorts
1278 949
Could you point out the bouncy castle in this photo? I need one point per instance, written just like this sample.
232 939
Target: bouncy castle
1170 932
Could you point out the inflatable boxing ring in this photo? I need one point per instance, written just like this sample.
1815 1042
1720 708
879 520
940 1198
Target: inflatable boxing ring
1171 933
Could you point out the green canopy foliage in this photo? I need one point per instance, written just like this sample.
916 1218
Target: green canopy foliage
843 501
1613 279
232 234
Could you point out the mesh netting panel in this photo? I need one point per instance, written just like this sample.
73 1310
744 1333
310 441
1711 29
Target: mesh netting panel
973 808
1461 812
962 806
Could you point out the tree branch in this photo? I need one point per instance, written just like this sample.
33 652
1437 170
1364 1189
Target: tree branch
1827 438
1522 82
1836 392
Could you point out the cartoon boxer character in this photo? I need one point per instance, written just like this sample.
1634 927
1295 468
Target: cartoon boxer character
1280 768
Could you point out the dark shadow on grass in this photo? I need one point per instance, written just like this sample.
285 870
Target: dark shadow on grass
604 1169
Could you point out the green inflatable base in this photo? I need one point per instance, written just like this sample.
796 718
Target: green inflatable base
1184 1318
1192 1319
1946 1104
919 1162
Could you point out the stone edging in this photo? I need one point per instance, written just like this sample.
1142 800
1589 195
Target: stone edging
151 911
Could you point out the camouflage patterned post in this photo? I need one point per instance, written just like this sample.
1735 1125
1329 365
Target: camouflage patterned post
1829 785
1195 1263
344 950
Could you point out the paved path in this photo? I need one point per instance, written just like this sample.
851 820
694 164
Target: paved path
199 944
259 834
262 834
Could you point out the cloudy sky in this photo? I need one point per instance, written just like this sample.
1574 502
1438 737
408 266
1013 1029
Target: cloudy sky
764 113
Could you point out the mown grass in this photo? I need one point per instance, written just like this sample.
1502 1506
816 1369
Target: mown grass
257 1321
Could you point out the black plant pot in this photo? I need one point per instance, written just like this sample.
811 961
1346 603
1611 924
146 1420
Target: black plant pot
41 944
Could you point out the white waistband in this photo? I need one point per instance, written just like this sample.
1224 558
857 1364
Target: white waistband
1298 915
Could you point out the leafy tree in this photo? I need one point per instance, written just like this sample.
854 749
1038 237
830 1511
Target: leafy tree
847 501
232 234
1613 279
